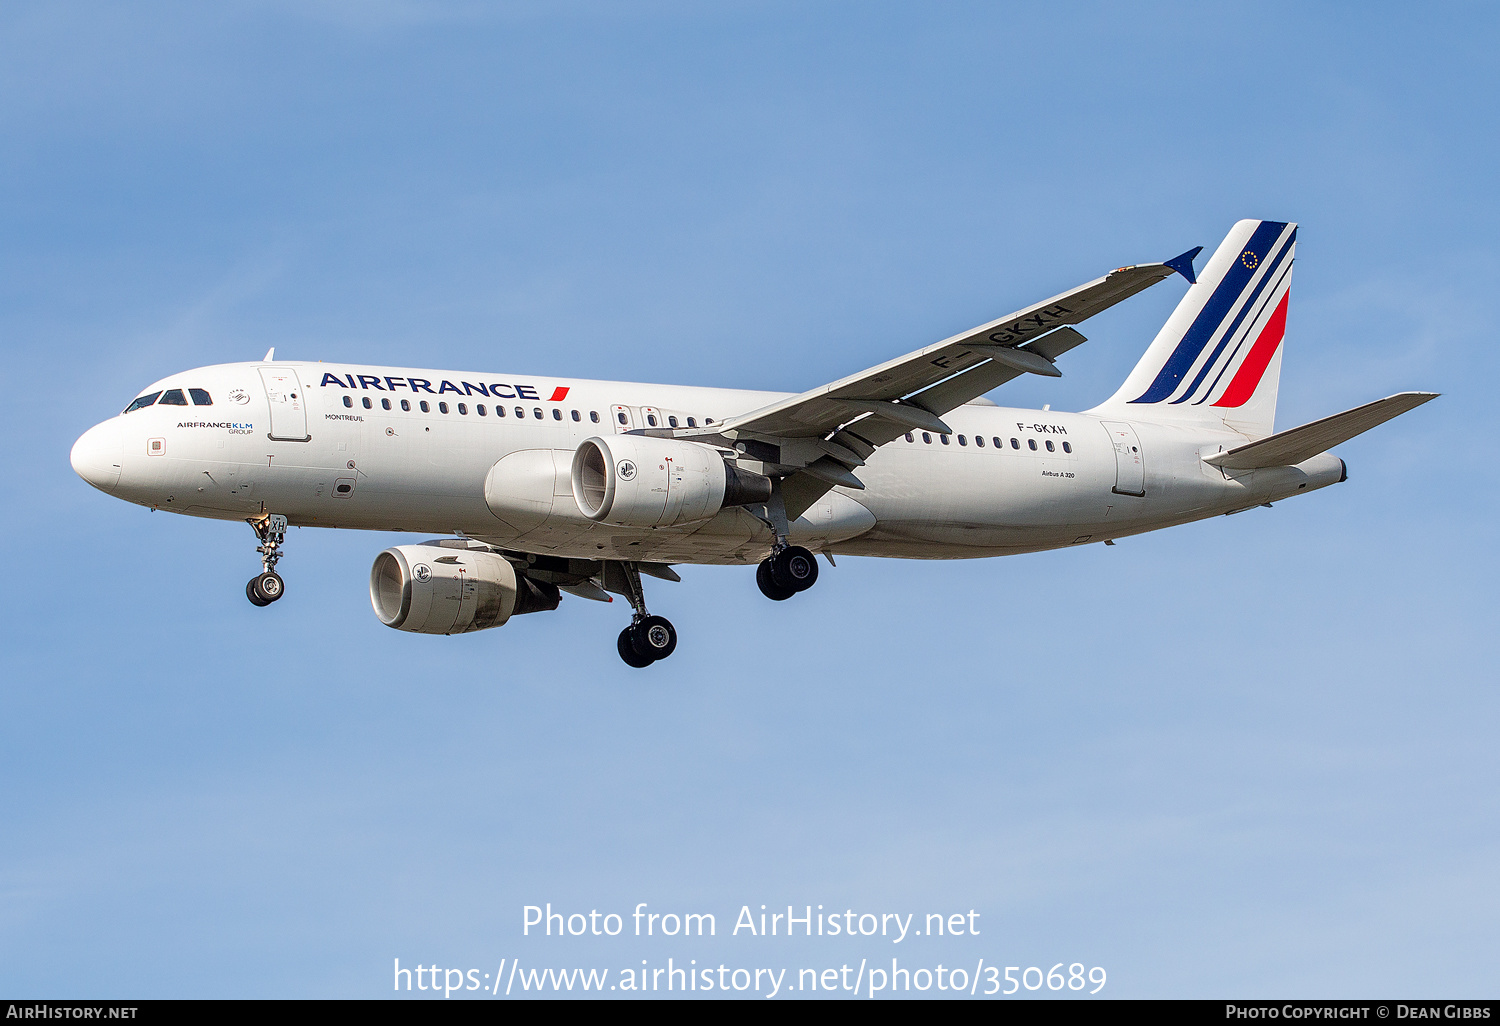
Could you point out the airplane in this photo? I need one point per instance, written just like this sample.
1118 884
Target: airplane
546 486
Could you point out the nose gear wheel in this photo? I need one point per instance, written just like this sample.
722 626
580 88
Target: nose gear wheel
265 589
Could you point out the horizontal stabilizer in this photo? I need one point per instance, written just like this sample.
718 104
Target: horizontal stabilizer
1288 448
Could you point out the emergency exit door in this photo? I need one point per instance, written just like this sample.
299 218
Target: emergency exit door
288 404
1130 463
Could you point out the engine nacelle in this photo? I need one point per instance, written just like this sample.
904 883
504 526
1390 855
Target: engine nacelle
443 588
641 481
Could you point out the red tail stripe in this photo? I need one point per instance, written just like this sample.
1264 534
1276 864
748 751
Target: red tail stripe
1247 378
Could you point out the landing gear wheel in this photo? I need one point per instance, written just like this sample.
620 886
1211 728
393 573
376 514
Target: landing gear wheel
265 589
768 587
627 651
794 569
653 638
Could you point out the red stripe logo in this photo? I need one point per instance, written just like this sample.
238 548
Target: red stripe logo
558 394
1247 378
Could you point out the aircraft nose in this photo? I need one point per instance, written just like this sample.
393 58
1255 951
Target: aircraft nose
98 455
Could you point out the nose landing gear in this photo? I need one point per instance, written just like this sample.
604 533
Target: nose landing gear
268 586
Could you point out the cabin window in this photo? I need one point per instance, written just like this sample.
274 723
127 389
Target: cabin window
557 414
576 417
943 439
926 438
621 417
406 405
463 409
479 409
998 443
594 416
499 411
367 403
538 411
200 397
520 413
1015 443
1050 446
979 441
692 422
143 402
385 404
348 402
671 422
425 408
708 420
1031 444
651 419
442 407
909 437
173 397
962 440
1067 447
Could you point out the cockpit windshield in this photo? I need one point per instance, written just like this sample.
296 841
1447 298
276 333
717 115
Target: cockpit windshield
143 402
171 397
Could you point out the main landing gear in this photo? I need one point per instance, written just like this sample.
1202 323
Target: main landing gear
267 587
648 638
790 569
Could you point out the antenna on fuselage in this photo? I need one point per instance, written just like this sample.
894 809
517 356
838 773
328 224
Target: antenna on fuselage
270 355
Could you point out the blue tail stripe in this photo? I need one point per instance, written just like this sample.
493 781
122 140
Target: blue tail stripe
1245 338
1209 318
1239 319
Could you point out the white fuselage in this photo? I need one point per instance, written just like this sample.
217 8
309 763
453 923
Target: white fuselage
313 442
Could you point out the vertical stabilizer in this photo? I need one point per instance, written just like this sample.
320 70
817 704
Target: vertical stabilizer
1217 360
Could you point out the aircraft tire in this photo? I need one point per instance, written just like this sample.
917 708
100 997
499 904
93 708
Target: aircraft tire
252 594
626 648
654 638
794 569
768 587
268 587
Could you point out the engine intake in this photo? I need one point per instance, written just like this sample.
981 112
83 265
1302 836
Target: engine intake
435 588
641 481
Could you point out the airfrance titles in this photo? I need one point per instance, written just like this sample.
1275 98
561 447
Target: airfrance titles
494 389
233 427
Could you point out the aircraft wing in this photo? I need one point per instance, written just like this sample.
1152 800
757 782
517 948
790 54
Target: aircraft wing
826 433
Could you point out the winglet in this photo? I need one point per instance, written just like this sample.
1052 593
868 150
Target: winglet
1183 264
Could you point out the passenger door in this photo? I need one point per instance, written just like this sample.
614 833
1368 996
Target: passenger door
288 404
1130 462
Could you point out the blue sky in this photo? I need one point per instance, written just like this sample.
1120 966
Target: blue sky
1253 756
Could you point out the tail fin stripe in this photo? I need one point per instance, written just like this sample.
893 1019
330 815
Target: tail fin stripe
1210 317
1272 269
1242 385
1271 297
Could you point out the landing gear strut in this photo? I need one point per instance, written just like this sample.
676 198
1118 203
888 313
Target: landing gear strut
267 587
648 638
